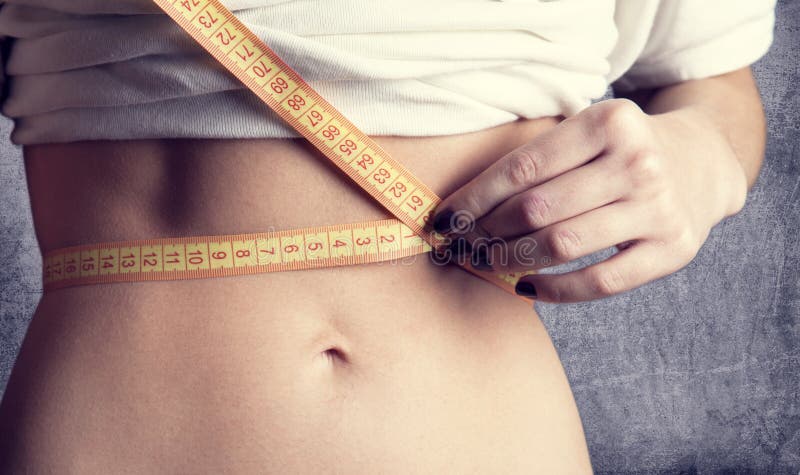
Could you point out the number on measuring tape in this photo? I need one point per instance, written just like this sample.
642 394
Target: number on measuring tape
355 153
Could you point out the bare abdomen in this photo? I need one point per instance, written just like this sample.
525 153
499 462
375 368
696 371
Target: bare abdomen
384 368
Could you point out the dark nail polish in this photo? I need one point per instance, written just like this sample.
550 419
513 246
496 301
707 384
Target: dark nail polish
459 247
441 222
480 259
525 289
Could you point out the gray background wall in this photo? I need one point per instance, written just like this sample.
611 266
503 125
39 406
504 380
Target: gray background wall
698 372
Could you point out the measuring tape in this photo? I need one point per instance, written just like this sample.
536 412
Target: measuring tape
242 53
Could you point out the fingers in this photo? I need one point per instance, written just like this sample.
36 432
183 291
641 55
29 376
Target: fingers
571 194
564 147
571 239
638 264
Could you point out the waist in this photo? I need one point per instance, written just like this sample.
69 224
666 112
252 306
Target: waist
84 192
403 364
100 191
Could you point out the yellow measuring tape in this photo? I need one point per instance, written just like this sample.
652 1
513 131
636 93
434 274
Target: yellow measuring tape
356 154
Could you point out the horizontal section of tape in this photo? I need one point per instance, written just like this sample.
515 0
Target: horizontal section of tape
228 255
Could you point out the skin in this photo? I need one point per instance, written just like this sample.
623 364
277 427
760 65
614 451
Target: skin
650 174
317 371
404 367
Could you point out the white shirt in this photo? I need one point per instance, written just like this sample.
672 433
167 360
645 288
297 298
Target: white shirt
101 69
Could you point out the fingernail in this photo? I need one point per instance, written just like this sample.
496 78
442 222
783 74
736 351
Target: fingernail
525 289
441 222
459 247
480 259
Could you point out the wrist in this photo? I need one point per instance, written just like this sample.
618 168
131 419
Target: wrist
700 134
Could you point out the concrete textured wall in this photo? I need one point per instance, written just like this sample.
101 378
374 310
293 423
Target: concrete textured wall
698 372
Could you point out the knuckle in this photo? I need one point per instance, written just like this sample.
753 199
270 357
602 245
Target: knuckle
645 168
606 282
620 115
535 209
522 167
564 245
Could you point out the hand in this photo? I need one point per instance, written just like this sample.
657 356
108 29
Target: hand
653 186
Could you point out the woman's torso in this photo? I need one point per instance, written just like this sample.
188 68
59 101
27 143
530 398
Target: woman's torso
379 368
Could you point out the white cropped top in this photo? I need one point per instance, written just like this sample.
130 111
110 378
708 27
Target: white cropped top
121 69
